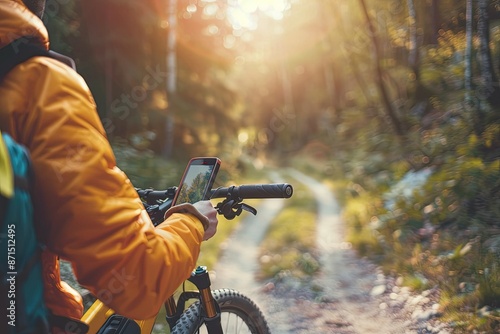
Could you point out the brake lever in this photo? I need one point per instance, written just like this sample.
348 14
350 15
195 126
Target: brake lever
230 208
249 208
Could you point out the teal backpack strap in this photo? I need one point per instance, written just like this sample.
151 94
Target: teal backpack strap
22 282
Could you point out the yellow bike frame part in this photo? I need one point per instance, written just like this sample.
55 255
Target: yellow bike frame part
97 314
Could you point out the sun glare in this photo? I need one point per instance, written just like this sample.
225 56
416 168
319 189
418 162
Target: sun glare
241 13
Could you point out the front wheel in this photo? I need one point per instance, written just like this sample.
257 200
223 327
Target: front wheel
239 314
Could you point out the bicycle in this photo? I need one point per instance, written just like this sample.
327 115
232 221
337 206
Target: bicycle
214 311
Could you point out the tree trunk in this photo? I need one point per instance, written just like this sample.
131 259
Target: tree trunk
468 54
413 50
171 78
330 76
396 123
490 90
420 92
436 21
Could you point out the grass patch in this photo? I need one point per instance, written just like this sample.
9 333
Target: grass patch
461 311
415 282
358 214
289 245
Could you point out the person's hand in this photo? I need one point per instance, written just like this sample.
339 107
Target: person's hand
206 208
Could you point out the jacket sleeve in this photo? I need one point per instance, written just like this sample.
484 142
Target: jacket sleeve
90 212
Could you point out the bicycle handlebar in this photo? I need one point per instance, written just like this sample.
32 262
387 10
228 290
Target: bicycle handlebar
252 191
245 191
157 202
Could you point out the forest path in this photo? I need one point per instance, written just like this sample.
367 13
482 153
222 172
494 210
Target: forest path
344 303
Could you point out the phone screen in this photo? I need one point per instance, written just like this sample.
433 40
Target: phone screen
197 180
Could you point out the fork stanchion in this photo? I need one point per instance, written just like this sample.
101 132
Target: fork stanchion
171 312
201 279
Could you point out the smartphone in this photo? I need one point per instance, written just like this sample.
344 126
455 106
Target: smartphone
197 180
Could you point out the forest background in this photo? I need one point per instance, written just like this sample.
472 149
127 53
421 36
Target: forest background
398 99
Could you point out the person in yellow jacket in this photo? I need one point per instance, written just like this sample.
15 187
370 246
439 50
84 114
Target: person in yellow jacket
87 209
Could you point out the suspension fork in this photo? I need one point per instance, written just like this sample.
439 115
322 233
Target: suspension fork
209 308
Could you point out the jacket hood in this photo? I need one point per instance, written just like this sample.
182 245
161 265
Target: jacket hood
18 21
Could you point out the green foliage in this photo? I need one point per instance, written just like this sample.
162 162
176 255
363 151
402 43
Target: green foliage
415 282
473 302
489 283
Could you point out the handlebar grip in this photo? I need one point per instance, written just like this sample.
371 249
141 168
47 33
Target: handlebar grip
153 195
276 190
158 194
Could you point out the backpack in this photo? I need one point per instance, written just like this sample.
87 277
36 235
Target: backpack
21 285
21 267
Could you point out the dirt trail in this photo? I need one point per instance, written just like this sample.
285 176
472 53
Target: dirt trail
344 304
347 280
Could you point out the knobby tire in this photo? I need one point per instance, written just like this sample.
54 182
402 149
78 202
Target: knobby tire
234 306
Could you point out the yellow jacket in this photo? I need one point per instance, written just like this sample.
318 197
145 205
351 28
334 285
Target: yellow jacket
86 208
